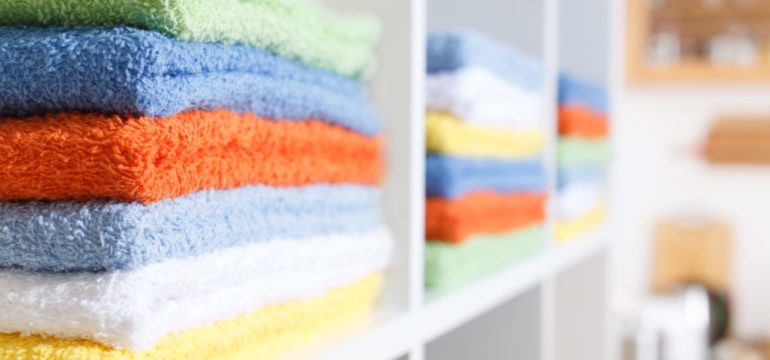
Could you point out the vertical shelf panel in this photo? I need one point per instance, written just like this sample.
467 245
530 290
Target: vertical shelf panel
550 59
580 292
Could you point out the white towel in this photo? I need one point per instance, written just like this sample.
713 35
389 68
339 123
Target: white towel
135 309
576 200
478 96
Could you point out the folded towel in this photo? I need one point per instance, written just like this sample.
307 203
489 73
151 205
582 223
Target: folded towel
454 50
106 235
582 152
452 177
576 200
130 71
262 334
573 90
134 309
448 266
568 230
580 175
86 156
477 96
581 121
447 134
299 29
482 212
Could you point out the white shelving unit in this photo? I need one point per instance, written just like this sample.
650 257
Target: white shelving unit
408 322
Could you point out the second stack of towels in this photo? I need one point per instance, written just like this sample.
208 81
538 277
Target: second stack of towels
583 154
185 179
485 178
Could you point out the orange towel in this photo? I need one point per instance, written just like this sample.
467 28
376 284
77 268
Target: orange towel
481 212
578 120
131 158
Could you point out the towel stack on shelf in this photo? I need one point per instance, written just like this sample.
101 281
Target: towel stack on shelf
583 154
485 177
185 179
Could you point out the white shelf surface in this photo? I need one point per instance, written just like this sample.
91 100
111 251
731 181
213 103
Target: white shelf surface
388 335
446 311
383 336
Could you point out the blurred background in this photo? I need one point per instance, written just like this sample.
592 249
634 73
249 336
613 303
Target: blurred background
691 179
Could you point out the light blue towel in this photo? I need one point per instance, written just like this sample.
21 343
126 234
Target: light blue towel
454 50
451 177
125 70
575 90
109 235
580 175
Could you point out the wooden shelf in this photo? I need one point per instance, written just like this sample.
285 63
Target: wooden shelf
698 9
693 19
695 72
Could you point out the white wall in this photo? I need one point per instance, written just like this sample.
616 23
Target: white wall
656 132
658 173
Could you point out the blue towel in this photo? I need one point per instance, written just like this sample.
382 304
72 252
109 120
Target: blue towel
453 50
131 71
109 235
575 90
451 177
584 174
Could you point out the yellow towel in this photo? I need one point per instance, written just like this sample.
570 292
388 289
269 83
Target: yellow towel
447 134
263 334
568 230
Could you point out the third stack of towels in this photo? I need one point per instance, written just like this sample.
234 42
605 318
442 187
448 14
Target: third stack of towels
582 157
185 179
486 182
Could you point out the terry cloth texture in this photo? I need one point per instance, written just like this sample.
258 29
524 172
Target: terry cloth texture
576 91
453 50
480 97
567 230
262 334
86 156
135 309
581 152
451 177
575 200
66 236
482 212
299 29
581 121
448 266
130 71
447 134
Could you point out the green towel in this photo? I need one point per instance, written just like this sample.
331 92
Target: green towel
301 30
580 152
448 265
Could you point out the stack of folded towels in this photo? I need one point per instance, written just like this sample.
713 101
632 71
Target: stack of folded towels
185 179
485 177
583 154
